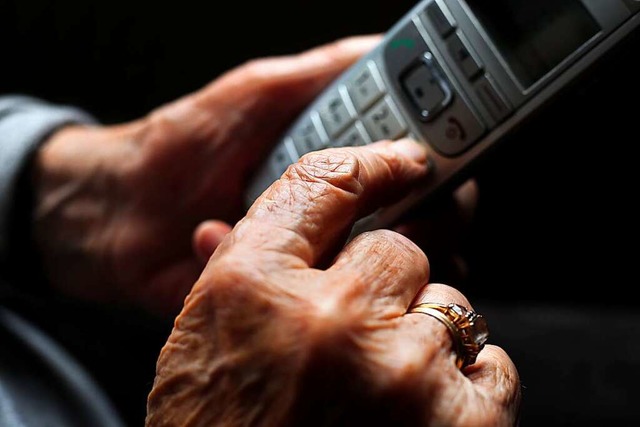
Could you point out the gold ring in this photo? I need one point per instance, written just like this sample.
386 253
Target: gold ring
468 329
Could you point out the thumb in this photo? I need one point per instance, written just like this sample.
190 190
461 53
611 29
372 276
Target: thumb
207 237
496 377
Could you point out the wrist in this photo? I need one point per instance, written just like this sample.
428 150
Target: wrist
72 178
25 123
78 157
74 153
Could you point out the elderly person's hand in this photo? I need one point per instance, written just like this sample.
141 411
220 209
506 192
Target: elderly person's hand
287 326
116 206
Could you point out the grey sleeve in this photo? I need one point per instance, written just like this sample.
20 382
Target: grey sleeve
25 122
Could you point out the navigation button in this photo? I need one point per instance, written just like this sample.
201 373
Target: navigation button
426 87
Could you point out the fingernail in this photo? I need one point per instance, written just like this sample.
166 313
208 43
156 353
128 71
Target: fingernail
410 148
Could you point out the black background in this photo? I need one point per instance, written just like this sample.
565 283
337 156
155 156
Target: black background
551 251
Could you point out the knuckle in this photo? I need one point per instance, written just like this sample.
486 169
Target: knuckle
261 73
254 68
235 274
337 49
403 245
327 170
337 317
340 49
395 247
394 240
267 73
408 363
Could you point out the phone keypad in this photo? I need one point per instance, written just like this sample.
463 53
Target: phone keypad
356 113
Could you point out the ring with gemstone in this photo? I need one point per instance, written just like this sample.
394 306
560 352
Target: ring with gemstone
468 329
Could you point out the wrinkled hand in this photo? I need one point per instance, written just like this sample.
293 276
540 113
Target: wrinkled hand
116 206
274 335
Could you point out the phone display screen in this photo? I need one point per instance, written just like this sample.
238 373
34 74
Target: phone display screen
534 36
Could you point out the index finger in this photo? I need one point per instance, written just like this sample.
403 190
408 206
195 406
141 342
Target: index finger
318 199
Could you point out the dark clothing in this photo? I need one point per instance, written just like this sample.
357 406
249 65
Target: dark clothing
42 385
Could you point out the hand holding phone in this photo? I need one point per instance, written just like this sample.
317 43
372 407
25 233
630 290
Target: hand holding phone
459 76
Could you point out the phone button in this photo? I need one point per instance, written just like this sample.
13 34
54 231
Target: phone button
465 57
281 158
441 20
335 113
427 88
383 121
307 138
491 99
354 136
455 130
365 87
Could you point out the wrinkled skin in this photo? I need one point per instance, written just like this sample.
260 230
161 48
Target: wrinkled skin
117 206
286 327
